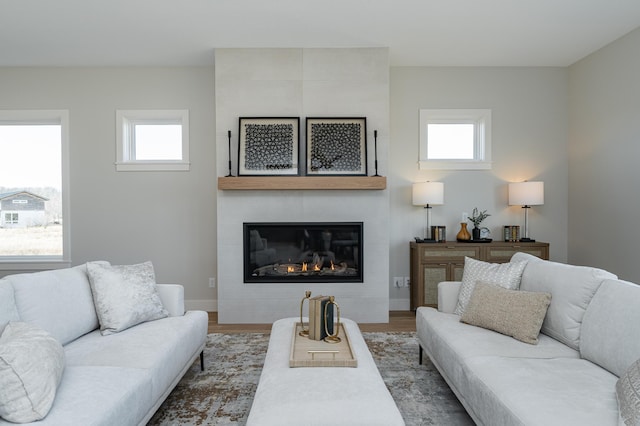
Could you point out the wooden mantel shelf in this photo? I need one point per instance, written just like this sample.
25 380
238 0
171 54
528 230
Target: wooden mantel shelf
301 182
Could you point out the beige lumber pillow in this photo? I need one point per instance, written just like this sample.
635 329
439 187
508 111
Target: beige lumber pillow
518 314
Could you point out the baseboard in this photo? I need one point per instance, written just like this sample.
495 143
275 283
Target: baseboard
209 305
399 304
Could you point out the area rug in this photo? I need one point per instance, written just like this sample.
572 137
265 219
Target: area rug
222 394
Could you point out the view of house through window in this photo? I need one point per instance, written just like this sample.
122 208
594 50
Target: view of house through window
31 219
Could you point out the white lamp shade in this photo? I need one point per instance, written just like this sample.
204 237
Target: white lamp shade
526 194
428 193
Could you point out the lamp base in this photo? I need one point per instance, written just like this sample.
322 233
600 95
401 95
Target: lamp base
527 240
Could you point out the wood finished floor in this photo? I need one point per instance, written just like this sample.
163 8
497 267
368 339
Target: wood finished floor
398 321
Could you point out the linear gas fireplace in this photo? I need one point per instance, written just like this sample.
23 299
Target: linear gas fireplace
301 252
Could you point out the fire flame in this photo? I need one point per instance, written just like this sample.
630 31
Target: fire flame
316 267
290 269
304 266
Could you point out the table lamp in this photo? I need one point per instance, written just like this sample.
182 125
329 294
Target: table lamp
526 194
427 194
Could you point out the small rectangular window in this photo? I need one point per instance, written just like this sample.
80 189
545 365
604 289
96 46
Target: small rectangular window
152 140
455 139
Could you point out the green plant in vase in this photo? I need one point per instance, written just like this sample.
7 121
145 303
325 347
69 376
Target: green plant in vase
476 218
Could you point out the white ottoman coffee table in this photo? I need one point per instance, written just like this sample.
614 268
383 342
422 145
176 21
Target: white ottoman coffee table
320 395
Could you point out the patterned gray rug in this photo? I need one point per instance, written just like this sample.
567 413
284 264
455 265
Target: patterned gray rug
222 394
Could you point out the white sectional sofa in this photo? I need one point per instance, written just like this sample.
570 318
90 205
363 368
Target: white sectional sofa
115 379
589 338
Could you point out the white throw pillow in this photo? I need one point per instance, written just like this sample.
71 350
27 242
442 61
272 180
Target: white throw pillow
124 295
506 275
628 394
31 366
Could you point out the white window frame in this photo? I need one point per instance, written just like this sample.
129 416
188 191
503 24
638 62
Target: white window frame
59 117
480 118
126 120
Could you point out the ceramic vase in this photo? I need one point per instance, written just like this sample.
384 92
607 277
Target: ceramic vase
463 234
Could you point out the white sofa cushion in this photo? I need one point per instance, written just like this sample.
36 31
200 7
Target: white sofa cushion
8 311
571 288
449 342
526 391
100 396
505 275
518 314
59 302
628 395
124 295
610 336
31 365
164 347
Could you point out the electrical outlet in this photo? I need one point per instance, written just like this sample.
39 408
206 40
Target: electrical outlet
465 217
397 282
407 281
212 282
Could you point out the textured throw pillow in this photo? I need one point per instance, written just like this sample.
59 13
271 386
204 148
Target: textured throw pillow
518 314
124 295
31 366
628 394
505 275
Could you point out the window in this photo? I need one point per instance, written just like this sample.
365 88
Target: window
455 139
33 188
152 140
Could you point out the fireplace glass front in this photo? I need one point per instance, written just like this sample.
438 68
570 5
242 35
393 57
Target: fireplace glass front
302 252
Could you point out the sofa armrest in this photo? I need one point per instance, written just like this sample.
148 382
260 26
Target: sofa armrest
172 297
448 296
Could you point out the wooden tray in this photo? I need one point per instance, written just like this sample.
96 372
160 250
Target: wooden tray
306 352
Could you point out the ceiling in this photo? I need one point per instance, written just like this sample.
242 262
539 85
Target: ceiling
417 32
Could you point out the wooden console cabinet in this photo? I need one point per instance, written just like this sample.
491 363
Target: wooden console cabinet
432 263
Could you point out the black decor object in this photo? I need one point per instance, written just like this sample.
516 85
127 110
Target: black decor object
229 134
303 252
375 149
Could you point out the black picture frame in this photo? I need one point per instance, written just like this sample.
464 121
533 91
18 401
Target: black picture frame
336 146
268 146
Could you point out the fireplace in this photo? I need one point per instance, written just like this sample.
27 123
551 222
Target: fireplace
302 252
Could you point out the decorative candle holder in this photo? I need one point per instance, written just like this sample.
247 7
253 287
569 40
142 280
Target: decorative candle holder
332 338
305 331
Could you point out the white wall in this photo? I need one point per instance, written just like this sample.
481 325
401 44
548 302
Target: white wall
530 130
302 83
604 199
127 217
111 216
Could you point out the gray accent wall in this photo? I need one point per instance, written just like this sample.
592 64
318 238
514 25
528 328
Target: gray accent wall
604 151
530 129
130 217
